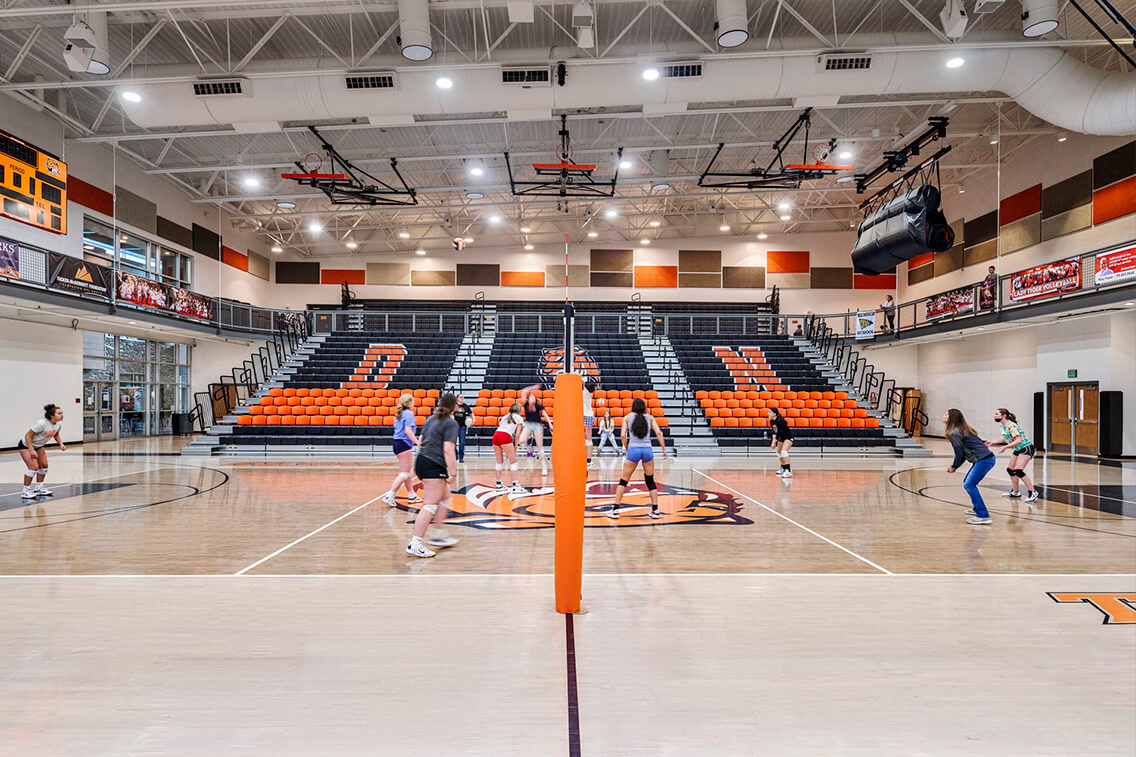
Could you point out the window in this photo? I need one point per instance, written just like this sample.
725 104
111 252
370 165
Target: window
98 242
149 380
102 243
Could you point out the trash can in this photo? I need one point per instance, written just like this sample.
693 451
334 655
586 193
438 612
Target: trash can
183 423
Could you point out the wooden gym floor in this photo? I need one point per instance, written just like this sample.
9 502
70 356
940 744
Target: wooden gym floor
167 605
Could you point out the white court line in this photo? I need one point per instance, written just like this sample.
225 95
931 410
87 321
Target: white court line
117 475
795 523
33 576
313 533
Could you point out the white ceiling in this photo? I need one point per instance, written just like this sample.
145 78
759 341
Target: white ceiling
299 36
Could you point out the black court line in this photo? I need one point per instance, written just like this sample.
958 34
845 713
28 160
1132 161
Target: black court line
573 691
12 500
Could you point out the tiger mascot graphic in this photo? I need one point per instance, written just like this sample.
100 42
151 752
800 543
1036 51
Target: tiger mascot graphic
552 364
485 508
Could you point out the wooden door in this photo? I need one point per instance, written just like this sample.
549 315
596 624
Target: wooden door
1086 416
1061 418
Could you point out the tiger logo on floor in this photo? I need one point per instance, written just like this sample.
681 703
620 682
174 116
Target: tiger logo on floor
552 364
484 507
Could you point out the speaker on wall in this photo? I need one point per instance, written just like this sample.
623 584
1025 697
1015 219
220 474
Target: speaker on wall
1111 420
1039 420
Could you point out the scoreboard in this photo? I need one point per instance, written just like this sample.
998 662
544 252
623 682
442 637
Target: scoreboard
33 185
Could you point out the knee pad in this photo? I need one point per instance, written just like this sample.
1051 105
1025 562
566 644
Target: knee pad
1020 473
623 482
783 455
31 472
514 466
650 482
498 467
1011 471
430 508
42 471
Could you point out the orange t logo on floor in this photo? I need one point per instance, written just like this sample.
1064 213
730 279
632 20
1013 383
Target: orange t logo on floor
1117 608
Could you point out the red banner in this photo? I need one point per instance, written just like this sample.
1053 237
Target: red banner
1046 280
139 290
955 301
1118 265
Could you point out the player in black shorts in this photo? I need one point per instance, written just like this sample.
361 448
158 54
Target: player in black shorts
782 440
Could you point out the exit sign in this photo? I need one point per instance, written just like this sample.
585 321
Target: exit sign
1072 374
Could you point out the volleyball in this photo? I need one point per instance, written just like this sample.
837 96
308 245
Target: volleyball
459 244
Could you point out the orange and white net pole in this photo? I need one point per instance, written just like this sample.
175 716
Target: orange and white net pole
569 469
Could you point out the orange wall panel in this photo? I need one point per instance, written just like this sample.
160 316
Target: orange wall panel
656 275
236 259
919 260
90 196
883 281
522 278
1115 200
1021 205
342 276
786 262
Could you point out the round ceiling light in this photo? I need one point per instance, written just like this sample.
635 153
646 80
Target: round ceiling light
650 74
474 195
285 205
955 63
593 234
662 186
444 82
131 96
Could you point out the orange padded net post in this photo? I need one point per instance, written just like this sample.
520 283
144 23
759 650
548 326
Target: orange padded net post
569 476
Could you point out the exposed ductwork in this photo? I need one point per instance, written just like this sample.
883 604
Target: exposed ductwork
1048 82
732 26
414 29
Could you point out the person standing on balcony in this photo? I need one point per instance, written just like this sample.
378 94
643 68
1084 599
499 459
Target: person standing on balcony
889 313
463 415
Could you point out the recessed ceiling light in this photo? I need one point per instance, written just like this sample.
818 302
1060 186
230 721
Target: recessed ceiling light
122 239
444 82
315 226
131 96
724 227
525 229
662 186
845 154
251 182
784 205
351 245
593 234
277 248
1129 304
285 205
404 234
528 247
786 218
420 252
993 140
494 219
962 191
763 235
655 224
650 74
611 213
844 179
625 164
468 240
955 62
644 242
476 171
133 323
1062 136
474 195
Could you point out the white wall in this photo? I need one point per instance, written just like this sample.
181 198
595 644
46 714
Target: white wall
211 359
40 364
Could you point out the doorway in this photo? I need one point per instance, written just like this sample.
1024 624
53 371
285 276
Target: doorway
100 411
1074 412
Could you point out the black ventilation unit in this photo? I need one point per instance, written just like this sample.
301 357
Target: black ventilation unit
377 80
910 224
681 70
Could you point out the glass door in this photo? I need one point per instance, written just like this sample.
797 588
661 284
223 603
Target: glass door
100 416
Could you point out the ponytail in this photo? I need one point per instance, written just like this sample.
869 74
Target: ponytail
446 405
640 427
49 411
1007 414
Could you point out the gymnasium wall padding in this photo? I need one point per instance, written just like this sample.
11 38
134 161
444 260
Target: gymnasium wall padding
569 475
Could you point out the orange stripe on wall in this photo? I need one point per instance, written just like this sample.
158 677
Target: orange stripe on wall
342 276
236 259
919 260
883 281
656 275
786 262
522 278
90 196
1020 205
1115 200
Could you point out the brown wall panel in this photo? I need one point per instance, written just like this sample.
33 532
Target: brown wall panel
743 277
1067 222
1066 195
294 272
699 261
979 230
258 265
920 274
432 278
578 276
787 280
613 260
207 242
604 279
136 211
1114 165
948 261
167 229
389 274
979 254
478 275
1020 234
700 280
830 278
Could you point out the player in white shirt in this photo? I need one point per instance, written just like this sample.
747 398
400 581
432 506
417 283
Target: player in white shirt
505 444
31 448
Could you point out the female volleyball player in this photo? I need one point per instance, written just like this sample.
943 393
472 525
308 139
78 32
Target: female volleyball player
534 427
967 445
589 418
436 465
637 427
404 443
1022 451
505 445
782 440
607 433
32 451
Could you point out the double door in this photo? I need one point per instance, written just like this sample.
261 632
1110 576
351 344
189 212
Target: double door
100 411
1074 415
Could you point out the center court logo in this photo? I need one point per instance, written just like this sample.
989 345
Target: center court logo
483 507
552 364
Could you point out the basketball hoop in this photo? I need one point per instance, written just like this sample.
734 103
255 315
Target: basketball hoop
565 178
346 183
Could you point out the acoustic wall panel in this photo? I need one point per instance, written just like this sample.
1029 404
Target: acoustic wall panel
883 281
948 261
1020 219
135 210
432 278
614 279
787 261
1020 234
979 230
979 253
1020 205
1114 166
340 276
1115 200
389 274
1074 192
578 276
169 230
920 274
787 280
613 260
478 274
699 280
918 260
830 278
1067 222
665 276
522 278
295 272
699 261
206 242
743 277
90 196
238 260
258 265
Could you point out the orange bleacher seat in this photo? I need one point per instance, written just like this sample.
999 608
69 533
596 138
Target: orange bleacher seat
368 410
720 403
288 420
702 394
259 420
846 413
340 392
510 394
354 411
288 392
711 412
732 403
433 393
717 422
331 420
655 404
637 394
269 410
316 420
842 395
871 423
276 392
256 410
496 402
806 413
651 394
792 412
830 423
311 410
663 422
302 392
326 410
824 404
303 420
272 420
860 412
484 393
731 422
816 422
335 401
857 423
244 420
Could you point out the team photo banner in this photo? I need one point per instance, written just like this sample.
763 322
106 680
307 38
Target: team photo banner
955 301
9 259
138 290
1046 280
76 275
1118 265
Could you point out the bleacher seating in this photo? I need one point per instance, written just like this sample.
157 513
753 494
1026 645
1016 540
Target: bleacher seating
426 362
726 363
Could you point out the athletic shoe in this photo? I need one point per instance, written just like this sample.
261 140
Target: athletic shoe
1011 494
501 488
413 499
418 551
976 521
441 541
28 494
781 472
518 489
970 511
1032 496
591 463
655 514
613 514
787 474
44 492
389 499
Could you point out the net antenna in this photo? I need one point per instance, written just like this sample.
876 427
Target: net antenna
777 174
566 178
344 183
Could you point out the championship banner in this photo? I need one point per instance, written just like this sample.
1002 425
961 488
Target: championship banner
1118 265
139 290
9 259
76 275
190 304
1046 280
865 324
955 301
